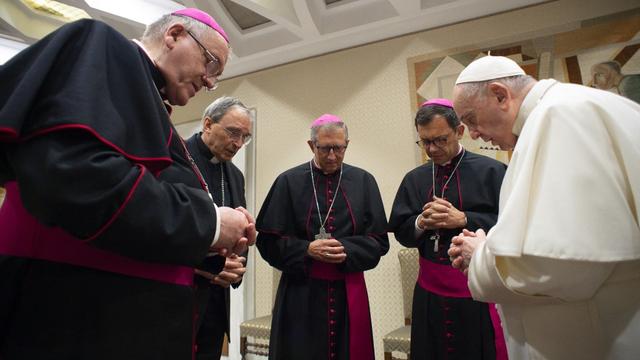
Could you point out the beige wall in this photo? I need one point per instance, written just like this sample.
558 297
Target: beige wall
368 87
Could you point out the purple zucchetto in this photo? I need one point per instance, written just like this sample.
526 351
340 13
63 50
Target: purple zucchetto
204 18
441 102
325 119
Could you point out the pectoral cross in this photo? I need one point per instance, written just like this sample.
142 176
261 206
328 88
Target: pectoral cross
435 238
323 234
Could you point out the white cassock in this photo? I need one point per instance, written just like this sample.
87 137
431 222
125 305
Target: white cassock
563 260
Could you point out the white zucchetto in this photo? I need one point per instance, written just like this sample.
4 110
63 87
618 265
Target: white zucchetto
489 68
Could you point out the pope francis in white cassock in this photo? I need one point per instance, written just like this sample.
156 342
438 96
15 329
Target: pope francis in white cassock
563 260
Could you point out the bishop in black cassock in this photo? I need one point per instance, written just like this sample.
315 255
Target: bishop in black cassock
226 128
446 322
96 252
322 224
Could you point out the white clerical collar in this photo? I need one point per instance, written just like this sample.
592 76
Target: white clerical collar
214 160
529 103
139 43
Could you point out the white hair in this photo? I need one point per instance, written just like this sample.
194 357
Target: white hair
472 90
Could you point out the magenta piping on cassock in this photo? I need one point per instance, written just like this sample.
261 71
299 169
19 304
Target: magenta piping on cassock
360 346
24 236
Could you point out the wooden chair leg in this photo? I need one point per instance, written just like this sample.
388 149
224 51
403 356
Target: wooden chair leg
243 346
387 356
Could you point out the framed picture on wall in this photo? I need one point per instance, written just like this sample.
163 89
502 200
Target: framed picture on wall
600 52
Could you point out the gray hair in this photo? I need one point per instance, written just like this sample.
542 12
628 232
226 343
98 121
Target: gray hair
332 126
154 31
613 65
516 83
219 108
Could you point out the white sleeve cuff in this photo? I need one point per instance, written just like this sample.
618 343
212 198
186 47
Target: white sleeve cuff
418 231
216 236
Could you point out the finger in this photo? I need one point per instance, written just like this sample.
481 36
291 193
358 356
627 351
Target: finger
204 274
466 232
220 282
251 234
229 276
332 243
233 265
480 233
335 258
247 214
427 205
440 208
334 250
458 262
241 246
439 216
442 202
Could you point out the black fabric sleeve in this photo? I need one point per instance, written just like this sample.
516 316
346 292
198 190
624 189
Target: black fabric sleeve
284 253
71 180
364 251
275 241
405 210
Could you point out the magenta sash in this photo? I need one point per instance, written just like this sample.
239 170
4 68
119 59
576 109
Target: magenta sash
360 337
24 236
444 280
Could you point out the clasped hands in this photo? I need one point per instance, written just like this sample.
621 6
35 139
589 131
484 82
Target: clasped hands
327 250
237 231
234 269
440 214
462 248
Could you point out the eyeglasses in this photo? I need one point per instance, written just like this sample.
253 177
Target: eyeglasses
440 141
212 66
337 149
237 134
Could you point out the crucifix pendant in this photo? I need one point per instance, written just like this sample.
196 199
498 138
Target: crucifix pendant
435 238
323 234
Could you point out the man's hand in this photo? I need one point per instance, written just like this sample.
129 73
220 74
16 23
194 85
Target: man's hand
250 232
234 229
327 250
462 248
441 214
232 273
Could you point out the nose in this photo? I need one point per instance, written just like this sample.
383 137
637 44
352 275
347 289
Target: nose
237 141
209 82
431 146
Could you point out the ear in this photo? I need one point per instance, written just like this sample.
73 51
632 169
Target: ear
459 131
208 123
500 93
173 33
310 145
